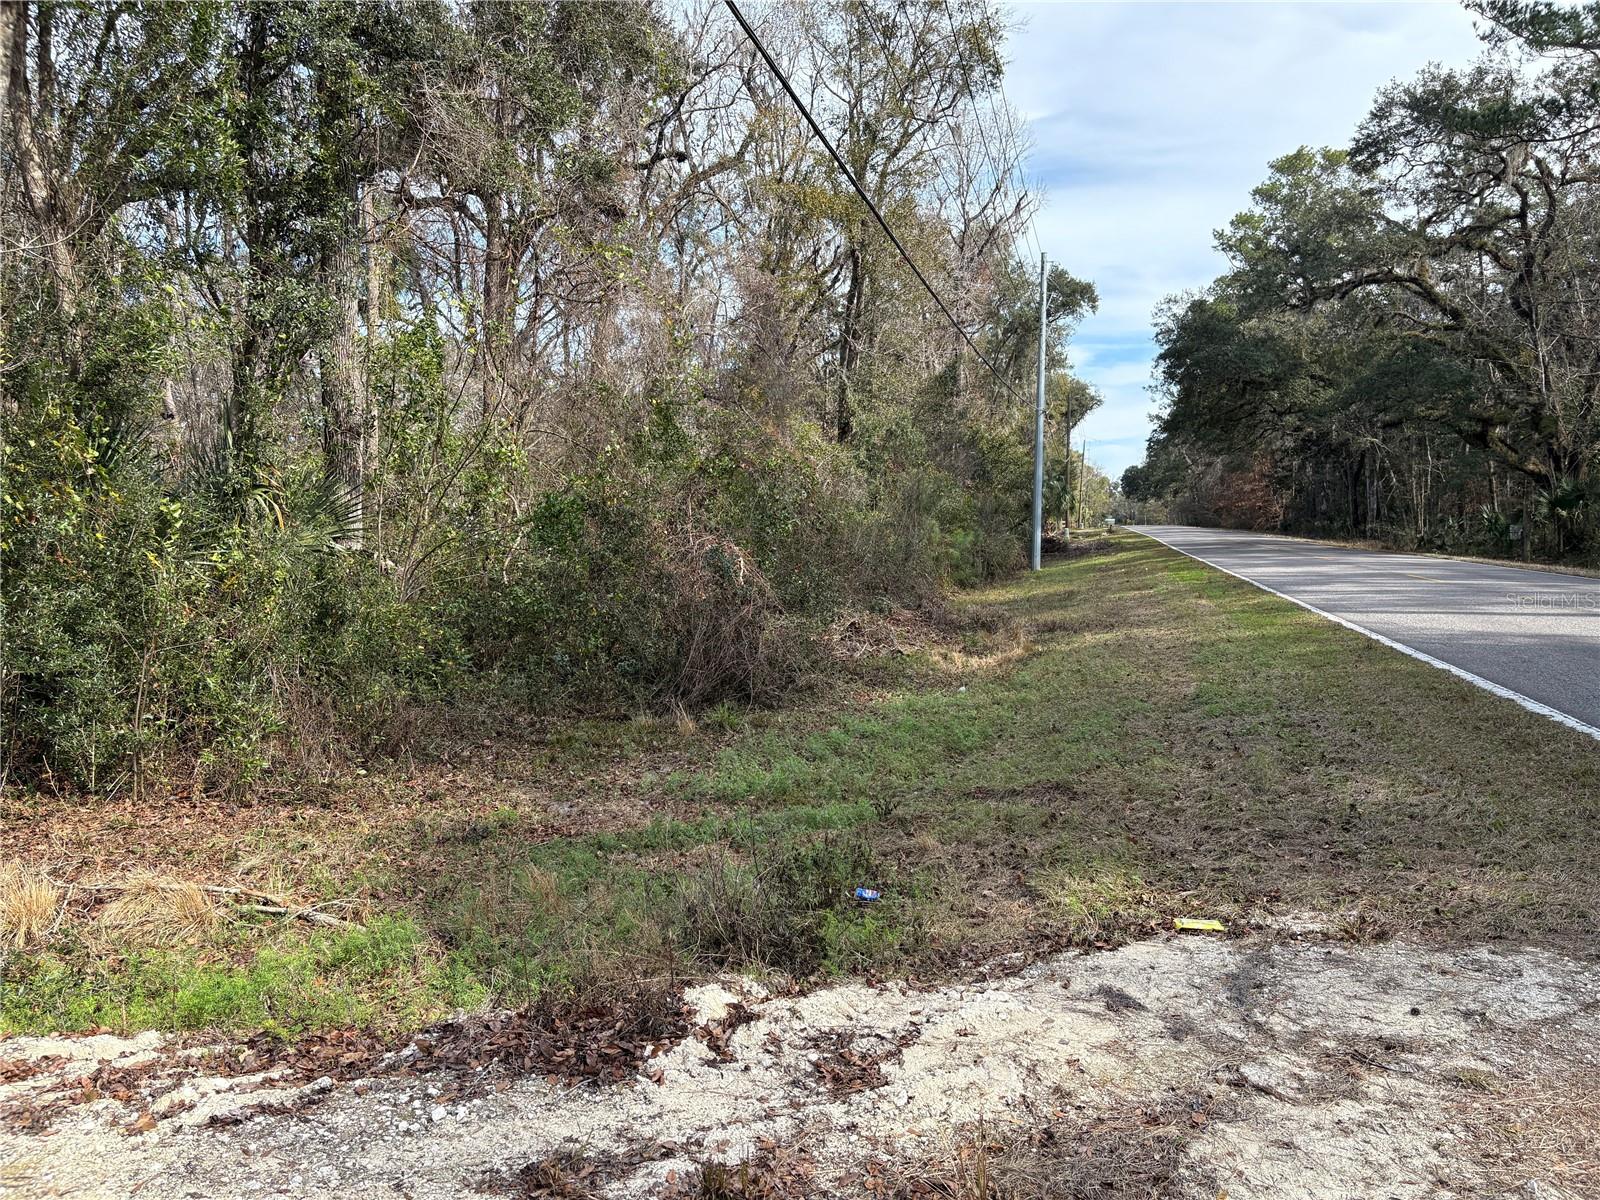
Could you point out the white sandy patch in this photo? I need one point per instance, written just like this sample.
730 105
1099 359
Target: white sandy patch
1341 1065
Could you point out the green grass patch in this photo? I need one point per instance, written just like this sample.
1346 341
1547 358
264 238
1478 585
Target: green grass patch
383 975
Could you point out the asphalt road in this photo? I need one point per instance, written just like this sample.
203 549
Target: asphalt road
1532 634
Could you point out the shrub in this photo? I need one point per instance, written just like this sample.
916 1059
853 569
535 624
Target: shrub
161 610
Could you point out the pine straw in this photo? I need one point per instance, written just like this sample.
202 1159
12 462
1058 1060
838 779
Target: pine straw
29 902
1545 1129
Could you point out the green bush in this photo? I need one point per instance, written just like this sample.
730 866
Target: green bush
164 608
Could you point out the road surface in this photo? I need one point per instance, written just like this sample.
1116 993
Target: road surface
1532 635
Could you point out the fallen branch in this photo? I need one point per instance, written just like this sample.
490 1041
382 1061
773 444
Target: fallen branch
305 914
277 906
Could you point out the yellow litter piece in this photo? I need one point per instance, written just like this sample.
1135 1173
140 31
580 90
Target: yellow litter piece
1198 925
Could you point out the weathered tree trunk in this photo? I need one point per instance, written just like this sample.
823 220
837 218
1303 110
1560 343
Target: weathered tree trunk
1372 490
344 387
849 344
43 199
498 306
250 346
374 248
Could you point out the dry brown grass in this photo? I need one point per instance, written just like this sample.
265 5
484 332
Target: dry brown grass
1106 905
998 652
683 721
157 910
28 905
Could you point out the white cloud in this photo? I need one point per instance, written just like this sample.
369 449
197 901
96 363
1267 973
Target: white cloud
1121 376
1151 124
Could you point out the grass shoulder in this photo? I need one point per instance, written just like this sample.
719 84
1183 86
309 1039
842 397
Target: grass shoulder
1080 756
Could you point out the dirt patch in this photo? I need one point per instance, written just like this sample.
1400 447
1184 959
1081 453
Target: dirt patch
1265 1068
1540 1128
1135 1152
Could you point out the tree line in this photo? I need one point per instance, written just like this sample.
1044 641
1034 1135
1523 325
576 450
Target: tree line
1406 345
371 360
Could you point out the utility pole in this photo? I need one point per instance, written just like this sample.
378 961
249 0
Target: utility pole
1066 479
1082 474
1038 424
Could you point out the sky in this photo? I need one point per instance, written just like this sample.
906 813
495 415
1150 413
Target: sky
1150 124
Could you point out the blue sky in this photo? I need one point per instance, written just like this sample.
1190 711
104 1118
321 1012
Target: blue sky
1151 122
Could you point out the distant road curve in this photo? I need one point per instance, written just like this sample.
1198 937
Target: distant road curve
1531 636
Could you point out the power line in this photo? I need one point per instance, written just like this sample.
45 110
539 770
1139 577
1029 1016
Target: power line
1011 134
1007 181
1020 191
865 199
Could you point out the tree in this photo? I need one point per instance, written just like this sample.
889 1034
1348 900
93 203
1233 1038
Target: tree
365 355
1417 310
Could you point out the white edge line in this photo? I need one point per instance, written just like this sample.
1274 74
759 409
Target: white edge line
1544 710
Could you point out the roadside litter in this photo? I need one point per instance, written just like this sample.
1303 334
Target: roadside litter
1198 925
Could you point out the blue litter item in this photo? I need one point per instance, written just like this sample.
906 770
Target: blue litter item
865 893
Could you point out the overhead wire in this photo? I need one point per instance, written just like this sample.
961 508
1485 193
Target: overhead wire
988 152
1011 134
849 175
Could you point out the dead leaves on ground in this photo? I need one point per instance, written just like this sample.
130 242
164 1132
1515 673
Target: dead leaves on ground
563 1042
845 1067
